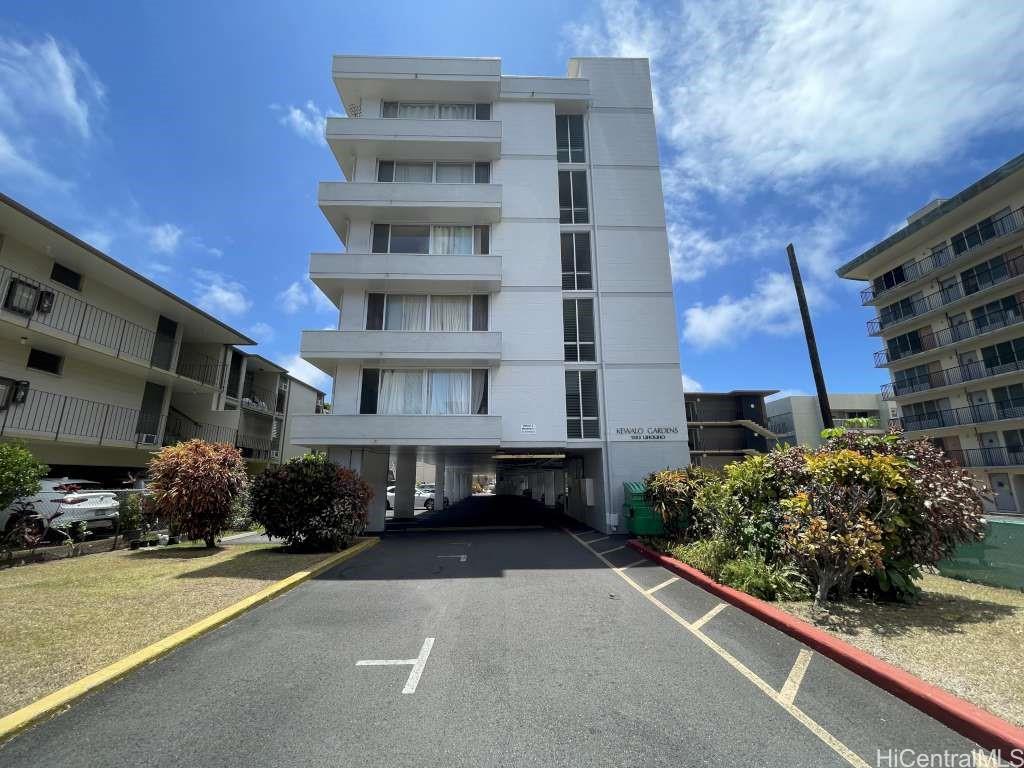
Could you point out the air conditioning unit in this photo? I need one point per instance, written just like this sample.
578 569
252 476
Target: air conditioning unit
148 439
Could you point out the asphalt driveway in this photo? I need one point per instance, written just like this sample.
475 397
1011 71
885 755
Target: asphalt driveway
542 655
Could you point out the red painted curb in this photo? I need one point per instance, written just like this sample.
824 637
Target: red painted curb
966 719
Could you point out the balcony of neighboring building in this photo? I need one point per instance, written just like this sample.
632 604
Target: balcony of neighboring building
915 381
361 79
412 138
997 456
325 349
394 430
977 282
933 420
976 241
403 202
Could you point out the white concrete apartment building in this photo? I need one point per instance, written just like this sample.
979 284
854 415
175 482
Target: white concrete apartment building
796 419
949 293
504 291
100 367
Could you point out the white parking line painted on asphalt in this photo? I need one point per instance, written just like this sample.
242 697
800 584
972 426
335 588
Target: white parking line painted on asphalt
461 558
609 551
417 664
594 541
663 584
798 714
707 616
796 676
635 563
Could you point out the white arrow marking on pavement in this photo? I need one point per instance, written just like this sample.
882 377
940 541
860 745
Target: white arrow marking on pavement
417 665
462 558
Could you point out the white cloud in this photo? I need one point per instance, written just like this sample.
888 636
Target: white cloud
262 332
164 238
220 295
781 90
14 162
308 373
691 384
303 294
771 308
308 122
99 238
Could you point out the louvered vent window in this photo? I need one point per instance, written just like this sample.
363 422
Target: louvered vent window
578 326
581 405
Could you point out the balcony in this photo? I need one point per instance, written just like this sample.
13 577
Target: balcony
261 399
974 239
64 418
337 429
411 139
930 340
987 457
405 202
985 279
401 271
949 377
961 417
325 348
255 447
414 79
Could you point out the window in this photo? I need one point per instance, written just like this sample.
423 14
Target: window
581 405
569 138
1008 397
991 226
910 379
890 279
455 173
578 325
995 314
1006 356
416 392
572 197
44 361
983 275
65 276
421 111
576 274
903 345
410 312
482 173
903 308
22 298
442 240
403 172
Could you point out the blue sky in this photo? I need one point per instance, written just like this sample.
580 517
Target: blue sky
184 139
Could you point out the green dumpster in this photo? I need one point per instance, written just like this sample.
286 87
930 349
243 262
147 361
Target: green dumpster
640 518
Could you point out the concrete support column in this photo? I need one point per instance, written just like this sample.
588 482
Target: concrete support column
440 490
405 485
375 472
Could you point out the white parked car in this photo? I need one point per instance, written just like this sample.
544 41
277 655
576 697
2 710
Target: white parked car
75 500
424 497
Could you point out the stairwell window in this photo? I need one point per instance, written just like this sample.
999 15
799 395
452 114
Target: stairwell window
569 138
419 392
440 239
578 328
581 408
412 312
573 207
576 270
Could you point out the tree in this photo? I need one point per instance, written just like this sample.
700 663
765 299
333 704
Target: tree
194 485
20 473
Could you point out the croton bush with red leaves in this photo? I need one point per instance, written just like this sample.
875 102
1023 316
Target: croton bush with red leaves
193 485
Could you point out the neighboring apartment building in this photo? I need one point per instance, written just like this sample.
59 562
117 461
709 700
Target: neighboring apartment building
796 420
723 427
505 300
99 366
949 293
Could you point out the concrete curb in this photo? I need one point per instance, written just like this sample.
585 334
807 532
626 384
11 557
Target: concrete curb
966 719
52 703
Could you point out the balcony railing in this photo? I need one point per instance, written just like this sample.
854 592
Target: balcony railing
955 334
960 374
199 367
180 428
255 446
262 399
959 417
988 457
985 278
974 238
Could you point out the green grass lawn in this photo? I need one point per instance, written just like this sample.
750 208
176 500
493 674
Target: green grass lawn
68 618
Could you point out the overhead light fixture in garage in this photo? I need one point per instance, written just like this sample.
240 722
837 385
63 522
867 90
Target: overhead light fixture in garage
527 456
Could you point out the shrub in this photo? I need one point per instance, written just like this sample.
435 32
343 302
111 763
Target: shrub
129 511
706 555
311 503
240 518
194 484
20 473
671 494
768 581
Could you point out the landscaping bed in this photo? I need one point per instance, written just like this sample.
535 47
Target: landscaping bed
66 619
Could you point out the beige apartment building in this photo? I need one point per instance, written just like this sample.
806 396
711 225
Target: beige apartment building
948 289
796 419
100 367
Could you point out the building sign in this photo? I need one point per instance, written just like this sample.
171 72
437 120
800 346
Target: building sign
645 433
529 429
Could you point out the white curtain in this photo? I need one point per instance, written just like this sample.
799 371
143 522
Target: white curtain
456 111
455 173
421 172
417 111
453 241
400 392
449 392
449 313
405 313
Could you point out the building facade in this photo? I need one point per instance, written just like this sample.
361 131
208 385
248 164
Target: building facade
948 290
796 420
723 427
100 367
505 301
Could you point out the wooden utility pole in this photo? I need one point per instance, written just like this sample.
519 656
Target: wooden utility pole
812 345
